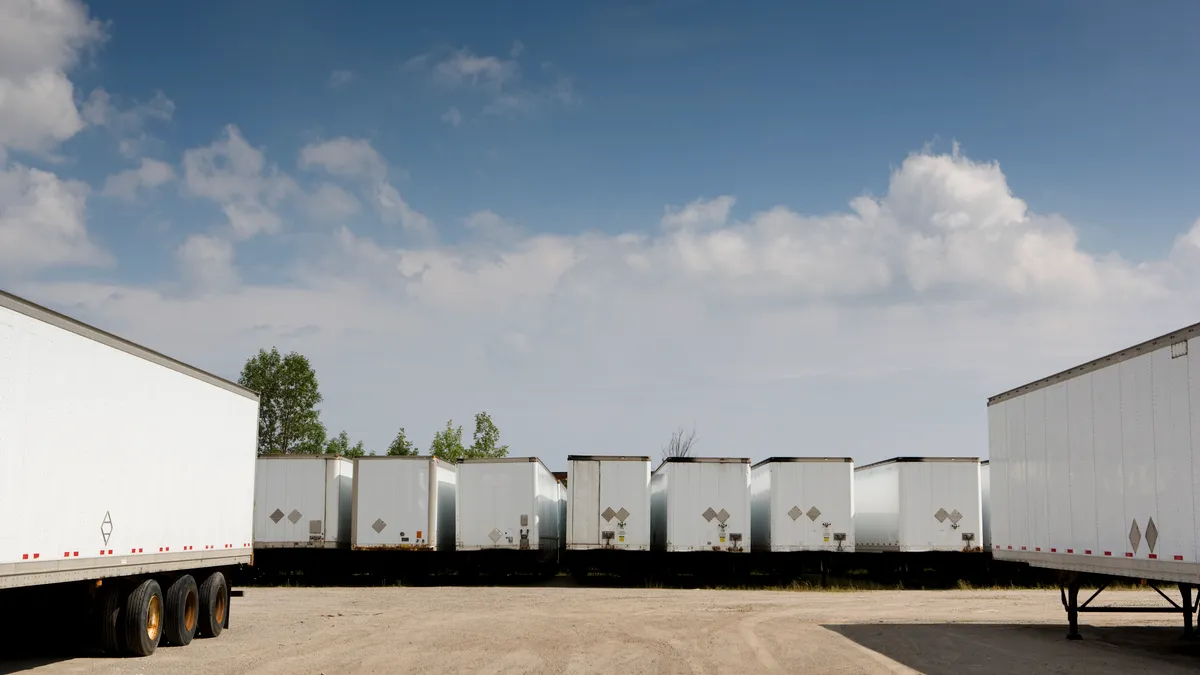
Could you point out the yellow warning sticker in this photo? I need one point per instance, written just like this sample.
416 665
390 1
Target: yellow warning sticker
722 540
621 538
826 540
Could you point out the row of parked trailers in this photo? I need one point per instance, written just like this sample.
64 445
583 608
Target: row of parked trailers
617 503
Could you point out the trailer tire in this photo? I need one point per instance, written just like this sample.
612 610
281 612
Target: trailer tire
214 605
108 611
143 619
183 611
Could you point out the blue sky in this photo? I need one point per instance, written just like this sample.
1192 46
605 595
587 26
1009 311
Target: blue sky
542 122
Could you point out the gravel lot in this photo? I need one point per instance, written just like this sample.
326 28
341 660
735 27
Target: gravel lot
556 629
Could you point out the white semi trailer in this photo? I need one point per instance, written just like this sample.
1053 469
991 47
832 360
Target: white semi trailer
1096 471
126 480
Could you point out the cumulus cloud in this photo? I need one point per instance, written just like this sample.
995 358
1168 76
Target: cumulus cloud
43 222
358 159
40 40
150 174
905 310
234 174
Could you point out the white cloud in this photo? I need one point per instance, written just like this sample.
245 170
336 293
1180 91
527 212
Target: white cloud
127 123
904 310
206 264
344 157
331 203
497 79
150 174
43 223
452 116
40 40
339 78
356 158
235 174
700 213
492 226
464 68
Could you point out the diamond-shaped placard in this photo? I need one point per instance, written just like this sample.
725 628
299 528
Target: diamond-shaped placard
277 516
622 514
106 527
608 514
709 514
795 512
1151 534
955 516
813 514
722 516
295 516
1135 536
378 525
495 535
941 515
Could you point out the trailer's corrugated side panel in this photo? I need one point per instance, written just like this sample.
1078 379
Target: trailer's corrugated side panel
985 495
659 482
96 446
549 506
447 490
761 480
1120 476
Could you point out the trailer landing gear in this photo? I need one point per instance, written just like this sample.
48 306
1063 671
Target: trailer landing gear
1069 592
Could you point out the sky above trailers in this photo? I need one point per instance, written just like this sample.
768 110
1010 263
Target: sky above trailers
797 229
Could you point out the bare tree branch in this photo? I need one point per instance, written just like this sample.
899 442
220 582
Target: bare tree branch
680 444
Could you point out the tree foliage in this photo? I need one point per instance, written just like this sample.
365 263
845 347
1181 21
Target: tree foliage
288 421
487 438
447 444
401 446
680 445
340 445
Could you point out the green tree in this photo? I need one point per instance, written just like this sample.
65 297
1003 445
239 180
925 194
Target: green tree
487 438
447 444
401 446
288 420
357 451
339 445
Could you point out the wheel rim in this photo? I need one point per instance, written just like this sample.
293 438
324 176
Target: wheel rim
191 612
219 614
154 618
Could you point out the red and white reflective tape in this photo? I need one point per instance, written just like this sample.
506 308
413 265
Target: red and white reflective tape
27 556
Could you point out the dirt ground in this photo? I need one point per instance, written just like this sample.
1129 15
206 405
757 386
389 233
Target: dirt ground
603 630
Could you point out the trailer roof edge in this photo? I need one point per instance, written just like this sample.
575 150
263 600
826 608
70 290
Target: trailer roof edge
35 311
1185 333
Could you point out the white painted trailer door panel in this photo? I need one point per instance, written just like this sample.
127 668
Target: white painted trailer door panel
699 496
392 507
583 504
492 498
